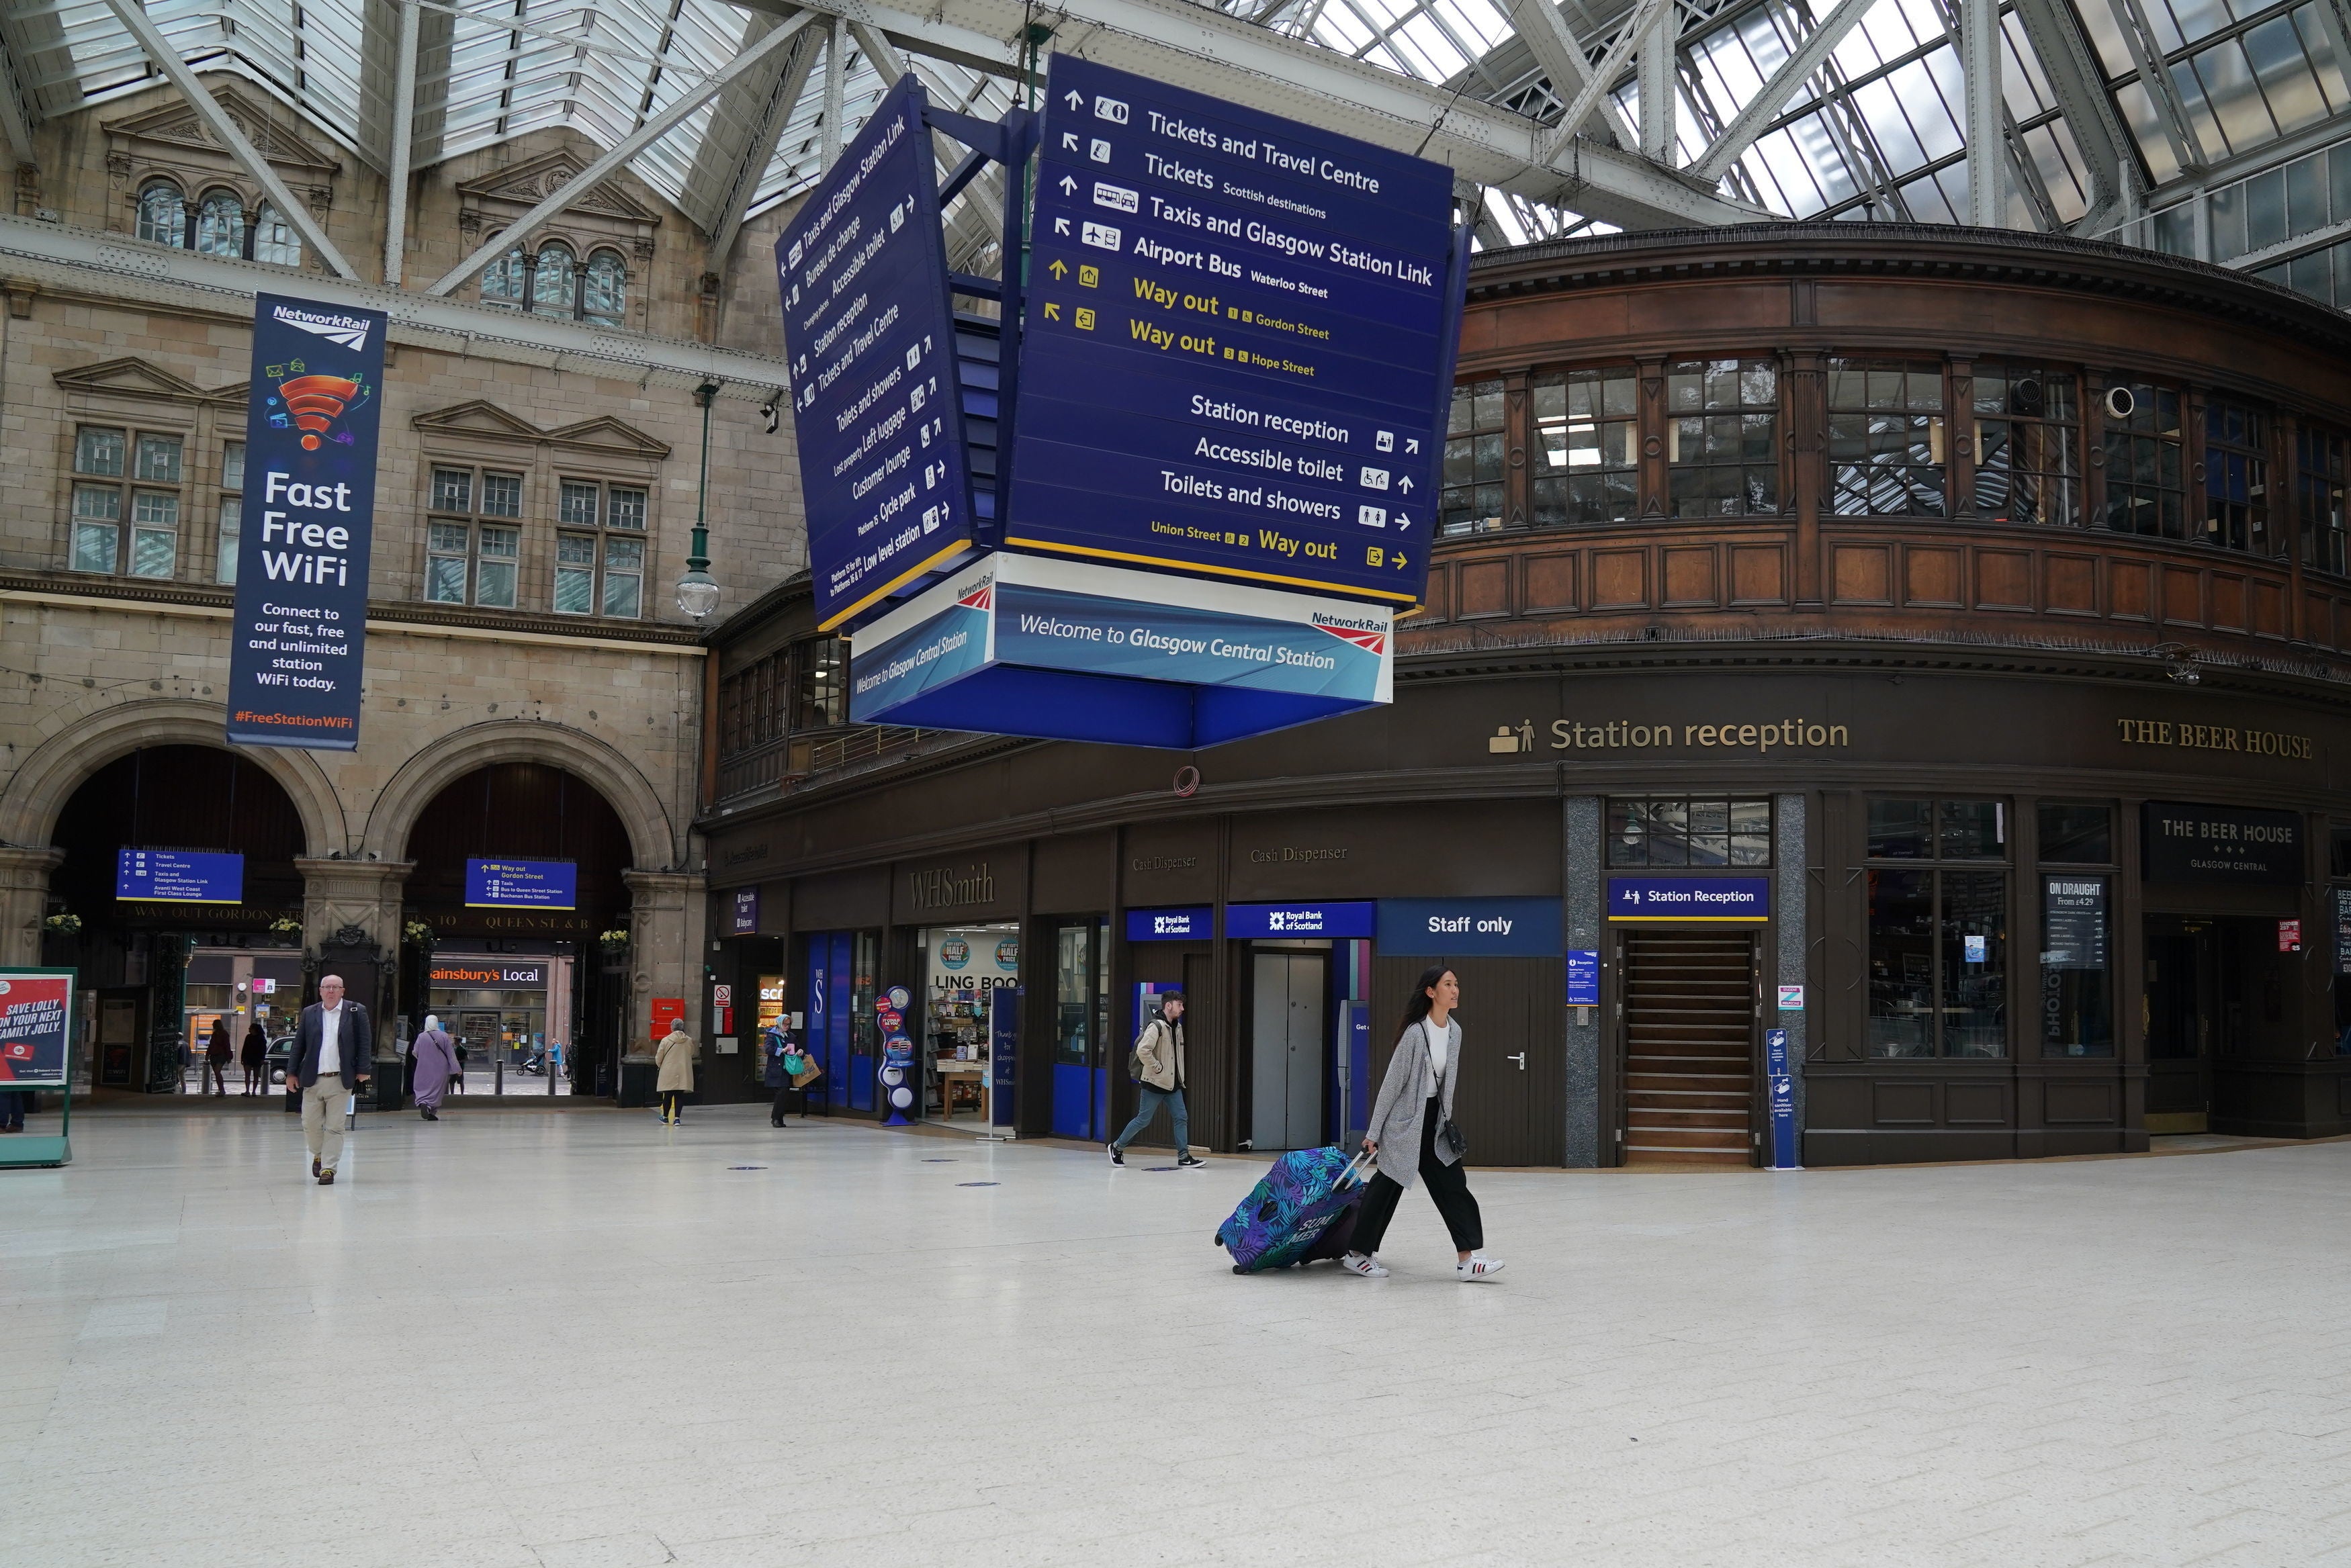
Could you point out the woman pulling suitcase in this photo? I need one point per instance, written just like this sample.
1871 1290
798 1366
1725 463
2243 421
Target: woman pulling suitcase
1411 1134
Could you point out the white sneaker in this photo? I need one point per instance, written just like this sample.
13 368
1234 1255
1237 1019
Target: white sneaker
1479 1267
1358 1263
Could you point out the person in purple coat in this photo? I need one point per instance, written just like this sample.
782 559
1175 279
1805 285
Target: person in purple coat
436 1063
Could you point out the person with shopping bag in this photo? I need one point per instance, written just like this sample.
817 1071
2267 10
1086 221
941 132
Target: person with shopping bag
780 1054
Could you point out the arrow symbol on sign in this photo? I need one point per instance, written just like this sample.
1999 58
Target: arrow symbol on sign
1069 186
1403 521
1076 98
1399 561
1059 269
1411 444
1069 140
1060 225
1053 310
1404 483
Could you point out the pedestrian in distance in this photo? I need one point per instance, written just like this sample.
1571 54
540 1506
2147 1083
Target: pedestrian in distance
435 1056
1411 1134
673 1059
217 1056
13 1104
1156 1065
333 1051
256 1059
782 1058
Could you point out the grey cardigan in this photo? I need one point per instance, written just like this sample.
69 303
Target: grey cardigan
1403 1103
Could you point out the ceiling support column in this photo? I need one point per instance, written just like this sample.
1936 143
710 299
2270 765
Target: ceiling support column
1986 129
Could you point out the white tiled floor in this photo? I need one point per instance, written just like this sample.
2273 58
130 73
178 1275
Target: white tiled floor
586 1342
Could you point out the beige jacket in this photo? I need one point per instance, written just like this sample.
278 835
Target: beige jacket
1161 1046
674 1058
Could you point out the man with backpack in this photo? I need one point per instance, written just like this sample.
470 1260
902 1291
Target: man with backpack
1157 1067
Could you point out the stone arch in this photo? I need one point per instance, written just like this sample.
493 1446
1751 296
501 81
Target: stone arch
651 839
33 798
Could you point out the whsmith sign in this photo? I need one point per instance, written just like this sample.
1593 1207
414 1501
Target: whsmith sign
947 889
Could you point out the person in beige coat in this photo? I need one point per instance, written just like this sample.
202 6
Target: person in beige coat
1159 1053
674 1057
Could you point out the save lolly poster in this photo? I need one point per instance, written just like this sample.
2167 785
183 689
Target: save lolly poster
312 413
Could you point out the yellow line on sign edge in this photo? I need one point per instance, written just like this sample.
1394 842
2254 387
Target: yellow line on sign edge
896 583
1717 920
1200 566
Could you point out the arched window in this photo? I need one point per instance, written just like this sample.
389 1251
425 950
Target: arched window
553 281
274 239
503 281
219 224
163 215
604 289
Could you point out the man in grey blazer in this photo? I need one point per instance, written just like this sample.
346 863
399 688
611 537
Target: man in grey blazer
333 1049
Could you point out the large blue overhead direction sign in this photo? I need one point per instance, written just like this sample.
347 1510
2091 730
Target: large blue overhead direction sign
179 877
1238 343
869 329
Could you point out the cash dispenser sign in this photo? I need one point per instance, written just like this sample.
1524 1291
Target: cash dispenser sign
870 332
1235 359
300 636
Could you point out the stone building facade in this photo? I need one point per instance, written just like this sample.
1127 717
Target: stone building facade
533 508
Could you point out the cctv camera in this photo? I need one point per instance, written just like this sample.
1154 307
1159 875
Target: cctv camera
768 412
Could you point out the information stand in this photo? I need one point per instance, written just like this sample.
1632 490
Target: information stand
35 1055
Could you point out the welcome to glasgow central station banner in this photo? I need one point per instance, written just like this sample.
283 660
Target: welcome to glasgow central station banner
299 639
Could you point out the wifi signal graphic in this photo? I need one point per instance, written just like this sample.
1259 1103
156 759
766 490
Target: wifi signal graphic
315 402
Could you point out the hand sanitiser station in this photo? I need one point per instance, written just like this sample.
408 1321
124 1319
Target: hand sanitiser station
1178 489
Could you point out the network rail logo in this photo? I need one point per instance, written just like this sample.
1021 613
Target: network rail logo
347 330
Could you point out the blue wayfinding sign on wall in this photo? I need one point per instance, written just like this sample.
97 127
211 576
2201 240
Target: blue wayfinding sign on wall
298 644
179 877
870 332
1784 1099
1196 923
1238 343
1244 921
1583 978
1469 928
522 884
1689 898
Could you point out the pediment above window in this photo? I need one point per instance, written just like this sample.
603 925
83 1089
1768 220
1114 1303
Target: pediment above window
176 125
484 421
131 376
510 191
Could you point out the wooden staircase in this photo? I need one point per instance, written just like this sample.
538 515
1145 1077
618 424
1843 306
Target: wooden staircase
1690 1011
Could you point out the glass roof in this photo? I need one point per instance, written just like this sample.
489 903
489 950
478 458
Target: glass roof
2217 85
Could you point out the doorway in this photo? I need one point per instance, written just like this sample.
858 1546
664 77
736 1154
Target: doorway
2195 1013
1287 1047
1690 1006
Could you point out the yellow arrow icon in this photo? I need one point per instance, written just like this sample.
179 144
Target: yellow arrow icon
1053 311
1059 269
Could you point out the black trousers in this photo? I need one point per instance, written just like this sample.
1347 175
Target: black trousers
775 1111
673 1104
1448 1185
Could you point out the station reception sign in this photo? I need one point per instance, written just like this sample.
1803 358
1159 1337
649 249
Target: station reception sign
298 644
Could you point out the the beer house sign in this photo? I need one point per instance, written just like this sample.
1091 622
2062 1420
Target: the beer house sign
2222 843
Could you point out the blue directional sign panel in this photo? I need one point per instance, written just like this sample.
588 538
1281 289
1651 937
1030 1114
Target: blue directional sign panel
1196 923
522 884
1238 343
179 877
1689 898
1245 922
870 332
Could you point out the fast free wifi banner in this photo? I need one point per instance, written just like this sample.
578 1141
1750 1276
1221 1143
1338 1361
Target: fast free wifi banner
308 515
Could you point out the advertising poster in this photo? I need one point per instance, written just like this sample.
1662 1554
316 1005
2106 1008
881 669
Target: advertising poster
298 644
36 1010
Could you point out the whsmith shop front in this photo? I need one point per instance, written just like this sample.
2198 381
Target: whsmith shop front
1995 915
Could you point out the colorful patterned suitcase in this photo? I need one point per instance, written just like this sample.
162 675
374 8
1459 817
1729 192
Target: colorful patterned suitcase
1304 1209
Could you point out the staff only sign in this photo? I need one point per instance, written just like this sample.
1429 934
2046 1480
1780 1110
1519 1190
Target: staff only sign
311 421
